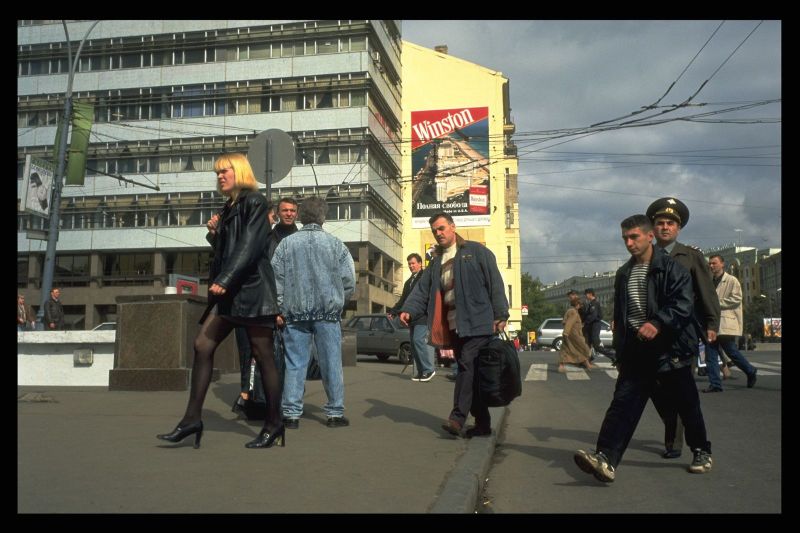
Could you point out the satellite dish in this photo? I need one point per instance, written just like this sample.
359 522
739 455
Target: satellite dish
271 154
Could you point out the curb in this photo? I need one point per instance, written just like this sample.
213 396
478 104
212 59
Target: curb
464 484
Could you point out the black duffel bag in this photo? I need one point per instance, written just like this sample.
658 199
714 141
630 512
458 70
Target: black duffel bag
498 370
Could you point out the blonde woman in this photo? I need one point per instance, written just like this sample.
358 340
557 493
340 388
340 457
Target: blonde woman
241 293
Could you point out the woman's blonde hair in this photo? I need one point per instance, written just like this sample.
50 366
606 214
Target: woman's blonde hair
243 172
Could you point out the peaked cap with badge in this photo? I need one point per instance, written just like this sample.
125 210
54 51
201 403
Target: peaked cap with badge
671 208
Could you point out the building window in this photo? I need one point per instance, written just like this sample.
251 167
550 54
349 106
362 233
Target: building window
71 270
508 254
22 272
128 265
188 263
510 297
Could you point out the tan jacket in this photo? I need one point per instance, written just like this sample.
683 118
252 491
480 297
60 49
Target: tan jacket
729 292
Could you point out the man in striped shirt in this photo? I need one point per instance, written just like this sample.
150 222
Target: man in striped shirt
655 337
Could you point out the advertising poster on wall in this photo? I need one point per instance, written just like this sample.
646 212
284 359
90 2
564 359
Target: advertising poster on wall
37 186
772 327
450 165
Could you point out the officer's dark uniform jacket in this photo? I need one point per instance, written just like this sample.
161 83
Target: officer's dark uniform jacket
706 302
240 263
670 308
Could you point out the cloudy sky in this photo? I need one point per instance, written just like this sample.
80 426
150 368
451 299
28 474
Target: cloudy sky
574 190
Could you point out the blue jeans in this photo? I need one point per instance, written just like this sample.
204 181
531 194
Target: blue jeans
422 352
297 342
727 343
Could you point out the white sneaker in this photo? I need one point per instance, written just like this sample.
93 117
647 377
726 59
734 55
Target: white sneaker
427 376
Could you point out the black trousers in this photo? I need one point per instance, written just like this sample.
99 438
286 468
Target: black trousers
673 428
635 385
466 399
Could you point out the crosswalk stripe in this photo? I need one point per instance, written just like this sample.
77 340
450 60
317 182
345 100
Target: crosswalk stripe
575 374
610 370
771 366
537 372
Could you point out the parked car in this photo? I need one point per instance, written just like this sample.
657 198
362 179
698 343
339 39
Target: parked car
377 335
106 326
550 333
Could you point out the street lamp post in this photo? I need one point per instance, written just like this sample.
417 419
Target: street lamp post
55 207
769 306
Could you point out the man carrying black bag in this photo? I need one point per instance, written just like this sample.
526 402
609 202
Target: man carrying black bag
463 294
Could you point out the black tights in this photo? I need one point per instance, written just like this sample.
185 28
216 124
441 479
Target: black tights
212 333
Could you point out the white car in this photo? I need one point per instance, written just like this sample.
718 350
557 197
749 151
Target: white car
551 333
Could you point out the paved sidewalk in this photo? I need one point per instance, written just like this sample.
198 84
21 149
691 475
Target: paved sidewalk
95 451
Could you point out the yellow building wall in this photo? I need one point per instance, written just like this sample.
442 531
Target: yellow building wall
434 80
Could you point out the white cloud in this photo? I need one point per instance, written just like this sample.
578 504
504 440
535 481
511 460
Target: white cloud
575 73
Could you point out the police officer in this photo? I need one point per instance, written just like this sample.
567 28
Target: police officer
669 216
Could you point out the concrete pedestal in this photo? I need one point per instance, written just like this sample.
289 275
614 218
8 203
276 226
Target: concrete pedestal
349 350
155 343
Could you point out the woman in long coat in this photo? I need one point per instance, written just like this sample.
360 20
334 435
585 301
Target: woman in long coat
574 349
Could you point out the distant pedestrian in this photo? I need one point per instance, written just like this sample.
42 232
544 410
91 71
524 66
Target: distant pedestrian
655 336
422 352
592 325
54 311
26 320
729 291
574 349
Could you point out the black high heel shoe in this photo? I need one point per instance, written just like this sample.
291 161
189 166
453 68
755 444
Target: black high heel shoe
180 433
239 406
266 439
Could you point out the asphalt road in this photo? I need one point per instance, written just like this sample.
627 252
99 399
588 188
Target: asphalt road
533 470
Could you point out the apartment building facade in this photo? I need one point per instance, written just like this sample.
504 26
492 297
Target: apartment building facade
168 97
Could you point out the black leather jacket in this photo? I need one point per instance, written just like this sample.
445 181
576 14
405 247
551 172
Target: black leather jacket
240 261
670 308
706 305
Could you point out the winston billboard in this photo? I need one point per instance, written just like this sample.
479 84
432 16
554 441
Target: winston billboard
450 165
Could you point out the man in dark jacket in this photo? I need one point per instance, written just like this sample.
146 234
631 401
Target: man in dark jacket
463 294
591 324
655 336
250 375
54 311
422 352
669 216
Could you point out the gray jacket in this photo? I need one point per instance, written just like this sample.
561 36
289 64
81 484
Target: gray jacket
314 275
480 292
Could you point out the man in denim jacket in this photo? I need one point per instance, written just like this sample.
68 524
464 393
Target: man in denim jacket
314 277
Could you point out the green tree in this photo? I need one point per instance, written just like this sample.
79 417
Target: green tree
754 314
538 308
